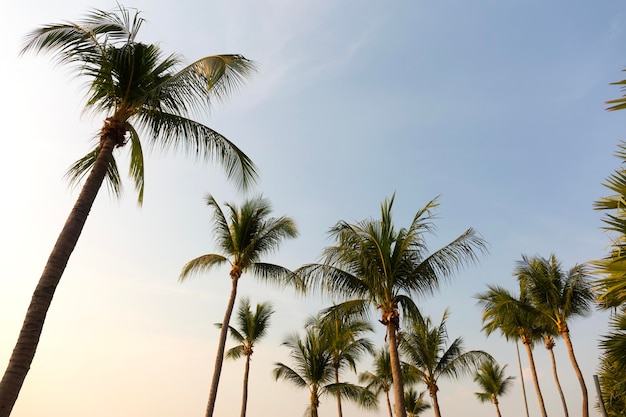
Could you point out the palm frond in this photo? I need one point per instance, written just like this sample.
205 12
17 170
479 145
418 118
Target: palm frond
201 264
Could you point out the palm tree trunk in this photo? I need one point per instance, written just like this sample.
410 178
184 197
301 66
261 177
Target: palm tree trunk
497 404
558 383
579 374
388 403
521 377
396 370
219 357
533 370
246 374
338 395
28 339
315 402
433 396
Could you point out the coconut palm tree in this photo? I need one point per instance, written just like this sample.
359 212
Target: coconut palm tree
345 344
492 381
244 235
374 265
381 379
314 370
429 357
559 296
139 91
252 327
549 343
515 318
415 404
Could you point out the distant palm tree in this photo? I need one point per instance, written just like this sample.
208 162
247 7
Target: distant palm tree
139 92
314 370
548 338
345 344
492 381
415 404
428 358
515 318
381 379
252 327
244 235
375 265
559 296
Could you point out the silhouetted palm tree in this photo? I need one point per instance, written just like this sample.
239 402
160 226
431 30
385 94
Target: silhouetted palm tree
244 235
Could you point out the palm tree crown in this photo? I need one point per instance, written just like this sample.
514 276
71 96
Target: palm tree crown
373 264
493 383
245 235
429 357
138 90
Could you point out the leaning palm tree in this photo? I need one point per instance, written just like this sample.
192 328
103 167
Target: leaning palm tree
374 265
559 296
244 235
252 327
139 91
314 370
429 357
415 404
345 344
549 343
381 379
515 318
491 379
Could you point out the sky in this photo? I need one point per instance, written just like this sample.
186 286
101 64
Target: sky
495 107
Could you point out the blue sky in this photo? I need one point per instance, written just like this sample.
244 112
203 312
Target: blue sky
495 106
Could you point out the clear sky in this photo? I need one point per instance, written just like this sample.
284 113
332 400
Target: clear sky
495 106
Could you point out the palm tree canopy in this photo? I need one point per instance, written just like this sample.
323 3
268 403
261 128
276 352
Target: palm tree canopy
492 381
557 294
415 404
375 263
139 89
429 356
244 234
252 327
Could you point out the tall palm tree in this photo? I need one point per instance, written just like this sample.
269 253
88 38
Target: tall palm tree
492 381
549 343
138 90
515 318
252 327
345 344
375 265
415 404
559 296
381 379
244 235
314 370
429 357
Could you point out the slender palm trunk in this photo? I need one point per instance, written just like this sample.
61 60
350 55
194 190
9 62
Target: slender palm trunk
433 396
521 377
219 357
28 339
388 403
315 401
579 374
396 370
550 346
338 395
533 370
497 404
246 374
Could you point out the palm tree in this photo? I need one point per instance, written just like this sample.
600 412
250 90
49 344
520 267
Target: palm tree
491 379
559 296
314 370
428 358
345 344
373 264
381 379
252 328
549 343
244 237
415 404
612 370
516 319
138 90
